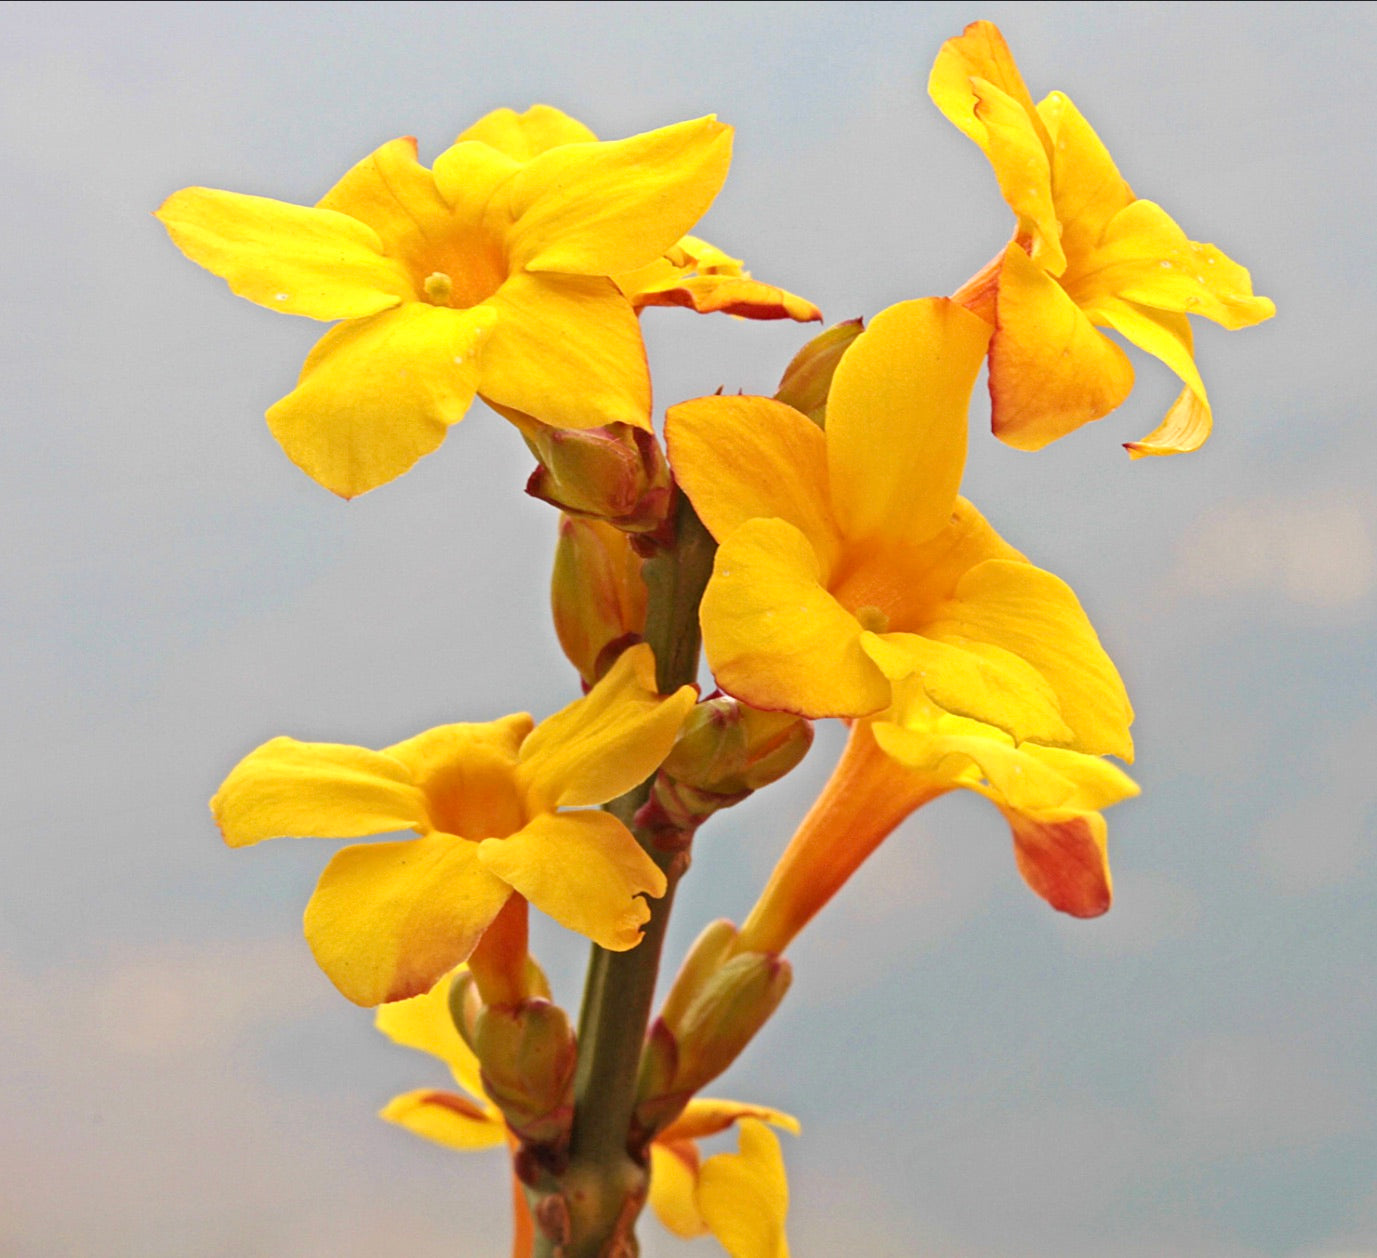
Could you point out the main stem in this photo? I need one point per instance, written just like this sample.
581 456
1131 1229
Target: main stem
604 1187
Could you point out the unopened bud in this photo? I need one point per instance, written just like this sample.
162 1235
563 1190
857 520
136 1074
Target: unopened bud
808 377
597 595
730 748
527 1053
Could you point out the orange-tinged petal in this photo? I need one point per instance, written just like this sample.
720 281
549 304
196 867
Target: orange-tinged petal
377 394
584 869
738 295
1050 370
602 745
424 1023
773 634
600 209
673 1179
744 1196
742 457
566 349
980 51
1064 858
468 774
974 679
705 1116
896 419
528 134
1036 616
446 1119
303 261
300 790
387 920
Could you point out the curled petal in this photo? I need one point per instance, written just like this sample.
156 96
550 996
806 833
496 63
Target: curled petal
602 745
705 1116
446 1119
300 790
1064 858
387 920
744 1196
566 349
313 262
738 295
377 394
584 869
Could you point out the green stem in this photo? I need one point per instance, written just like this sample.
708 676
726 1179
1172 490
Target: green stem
604 1187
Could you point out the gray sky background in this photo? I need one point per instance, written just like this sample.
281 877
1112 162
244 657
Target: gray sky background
1192 1075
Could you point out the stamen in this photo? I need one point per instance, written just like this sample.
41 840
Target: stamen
872 618
439 288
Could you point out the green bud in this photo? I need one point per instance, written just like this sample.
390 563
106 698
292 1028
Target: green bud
808 377
597 595
729 748
527 1053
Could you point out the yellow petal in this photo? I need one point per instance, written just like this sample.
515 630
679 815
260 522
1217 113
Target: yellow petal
604 208
377 394
387 920
974 679
446 1119
738 295
896 419
673 1179
1064 858
1086 185
706 1116
424 1023
567 349
602 745
526 135
742 457
584 869
315 789
1037 617
980 51
312 262
744 1196
1096 783
773 634
1050 370
1185 427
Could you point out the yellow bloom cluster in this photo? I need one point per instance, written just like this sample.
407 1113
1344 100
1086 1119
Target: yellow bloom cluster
817 539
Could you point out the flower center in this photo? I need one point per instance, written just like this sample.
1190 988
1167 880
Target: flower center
459 271
872 618
439 288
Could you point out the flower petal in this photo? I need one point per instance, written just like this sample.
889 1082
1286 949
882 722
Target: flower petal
742 457
980 51
303 261
603 208
1064 857
673 1178
315 789
1037 617
744 1196
1050 370
1086 185
387 920
774 635
526 135
377 394
567 349
897 417
584 869
705 1116
602 745
424 1023
738 295
446 1119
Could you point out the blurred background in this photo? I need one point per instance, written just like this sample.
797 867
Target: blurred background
1191 1075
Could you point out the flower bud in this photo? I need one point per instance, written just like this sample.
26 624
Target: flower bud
808 376
597 595
730 748
527 1053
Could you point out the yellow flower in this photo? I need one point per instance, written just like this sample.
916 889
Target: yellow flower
691 273
1086 254
847 563
741 1198
488 804
896 763
484 274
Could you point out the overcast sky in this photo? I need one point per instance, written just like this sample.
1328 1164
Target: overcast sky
1192 1075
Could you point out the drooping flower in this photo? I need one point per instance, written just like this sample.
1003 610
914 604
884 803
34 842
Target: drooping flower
692 273
484 273
1086 254
848 564
741 1198
895 763
500 809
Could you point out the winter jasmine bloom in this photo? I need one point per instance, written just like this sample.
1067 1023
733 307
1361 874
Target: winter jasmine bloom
1086 254
848 564
483 274
498 809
